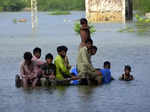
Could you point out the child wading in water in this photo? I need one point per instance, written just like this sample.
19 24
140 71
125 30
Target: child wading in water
106 73
48 68
36 58
62 67
28 71
127 76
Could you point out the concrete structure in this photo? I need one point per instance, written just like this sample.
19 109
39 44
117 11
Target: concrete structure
108 10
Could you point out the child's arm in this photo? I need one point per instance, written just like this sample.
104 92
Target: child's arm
121 77
34 73
132 78
22 72
112 78
63 68
67 63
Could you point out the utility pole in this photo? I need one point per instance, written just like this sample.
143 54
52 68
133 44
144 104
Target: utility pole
34 15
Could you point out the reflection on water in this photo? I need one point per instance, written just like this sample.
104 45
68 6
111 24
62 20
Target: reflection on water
118 48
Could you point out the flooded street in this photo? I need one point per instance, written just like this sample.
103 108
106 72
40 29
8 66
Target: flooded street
118 48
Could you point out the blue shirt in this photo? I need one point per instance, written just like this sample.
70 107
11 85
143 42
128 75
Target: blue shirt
106 75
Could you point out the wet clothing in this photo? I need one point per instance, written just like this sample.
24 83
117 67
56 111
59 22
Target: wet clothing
74 71
38 63
61 70
106 75
30 70
48 69
126 78
84 65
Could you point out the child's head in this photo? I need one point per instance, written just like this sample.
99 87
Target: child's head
92 50
89 43
27 57
62 51
49 58
107 64
127 69
37 52
83 21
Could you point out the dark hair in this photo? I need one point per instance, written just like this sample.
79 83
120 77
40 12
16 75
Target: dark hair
107 63
49 56
89 40
27 55
36 50
62 48
127 67
94 47
83 21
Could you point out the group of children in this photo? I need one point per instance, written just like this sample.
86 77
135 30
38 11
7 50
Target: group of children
33 69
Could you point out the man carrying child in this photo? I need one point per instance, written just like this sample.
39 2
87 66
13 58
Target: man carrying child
84 65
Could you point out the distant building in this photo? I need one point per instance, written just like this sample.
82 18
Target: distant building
108 10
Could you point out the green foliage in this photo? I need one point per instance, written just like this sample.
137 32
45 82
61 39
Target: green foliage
43 5
49 5
59 13
15 21
142 20
9 5
142 5
77 28
127 29
141 25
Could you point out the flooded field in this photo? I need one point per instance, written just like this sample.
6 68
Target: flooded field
119 48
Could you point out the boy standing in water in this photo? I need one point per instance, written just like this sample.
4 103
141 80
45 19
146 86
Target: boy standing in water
48 68
127 76
62 71
28 71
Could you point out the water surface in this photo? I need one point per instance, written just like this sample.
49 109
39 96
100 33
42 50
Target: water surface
118 48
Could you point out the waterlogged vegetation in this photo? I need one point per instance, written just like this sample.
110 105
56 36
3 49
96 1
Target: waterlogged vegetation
141 25
60 13
77 28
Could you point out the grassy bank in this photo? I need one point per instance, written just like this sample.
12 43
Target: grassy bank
59 13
